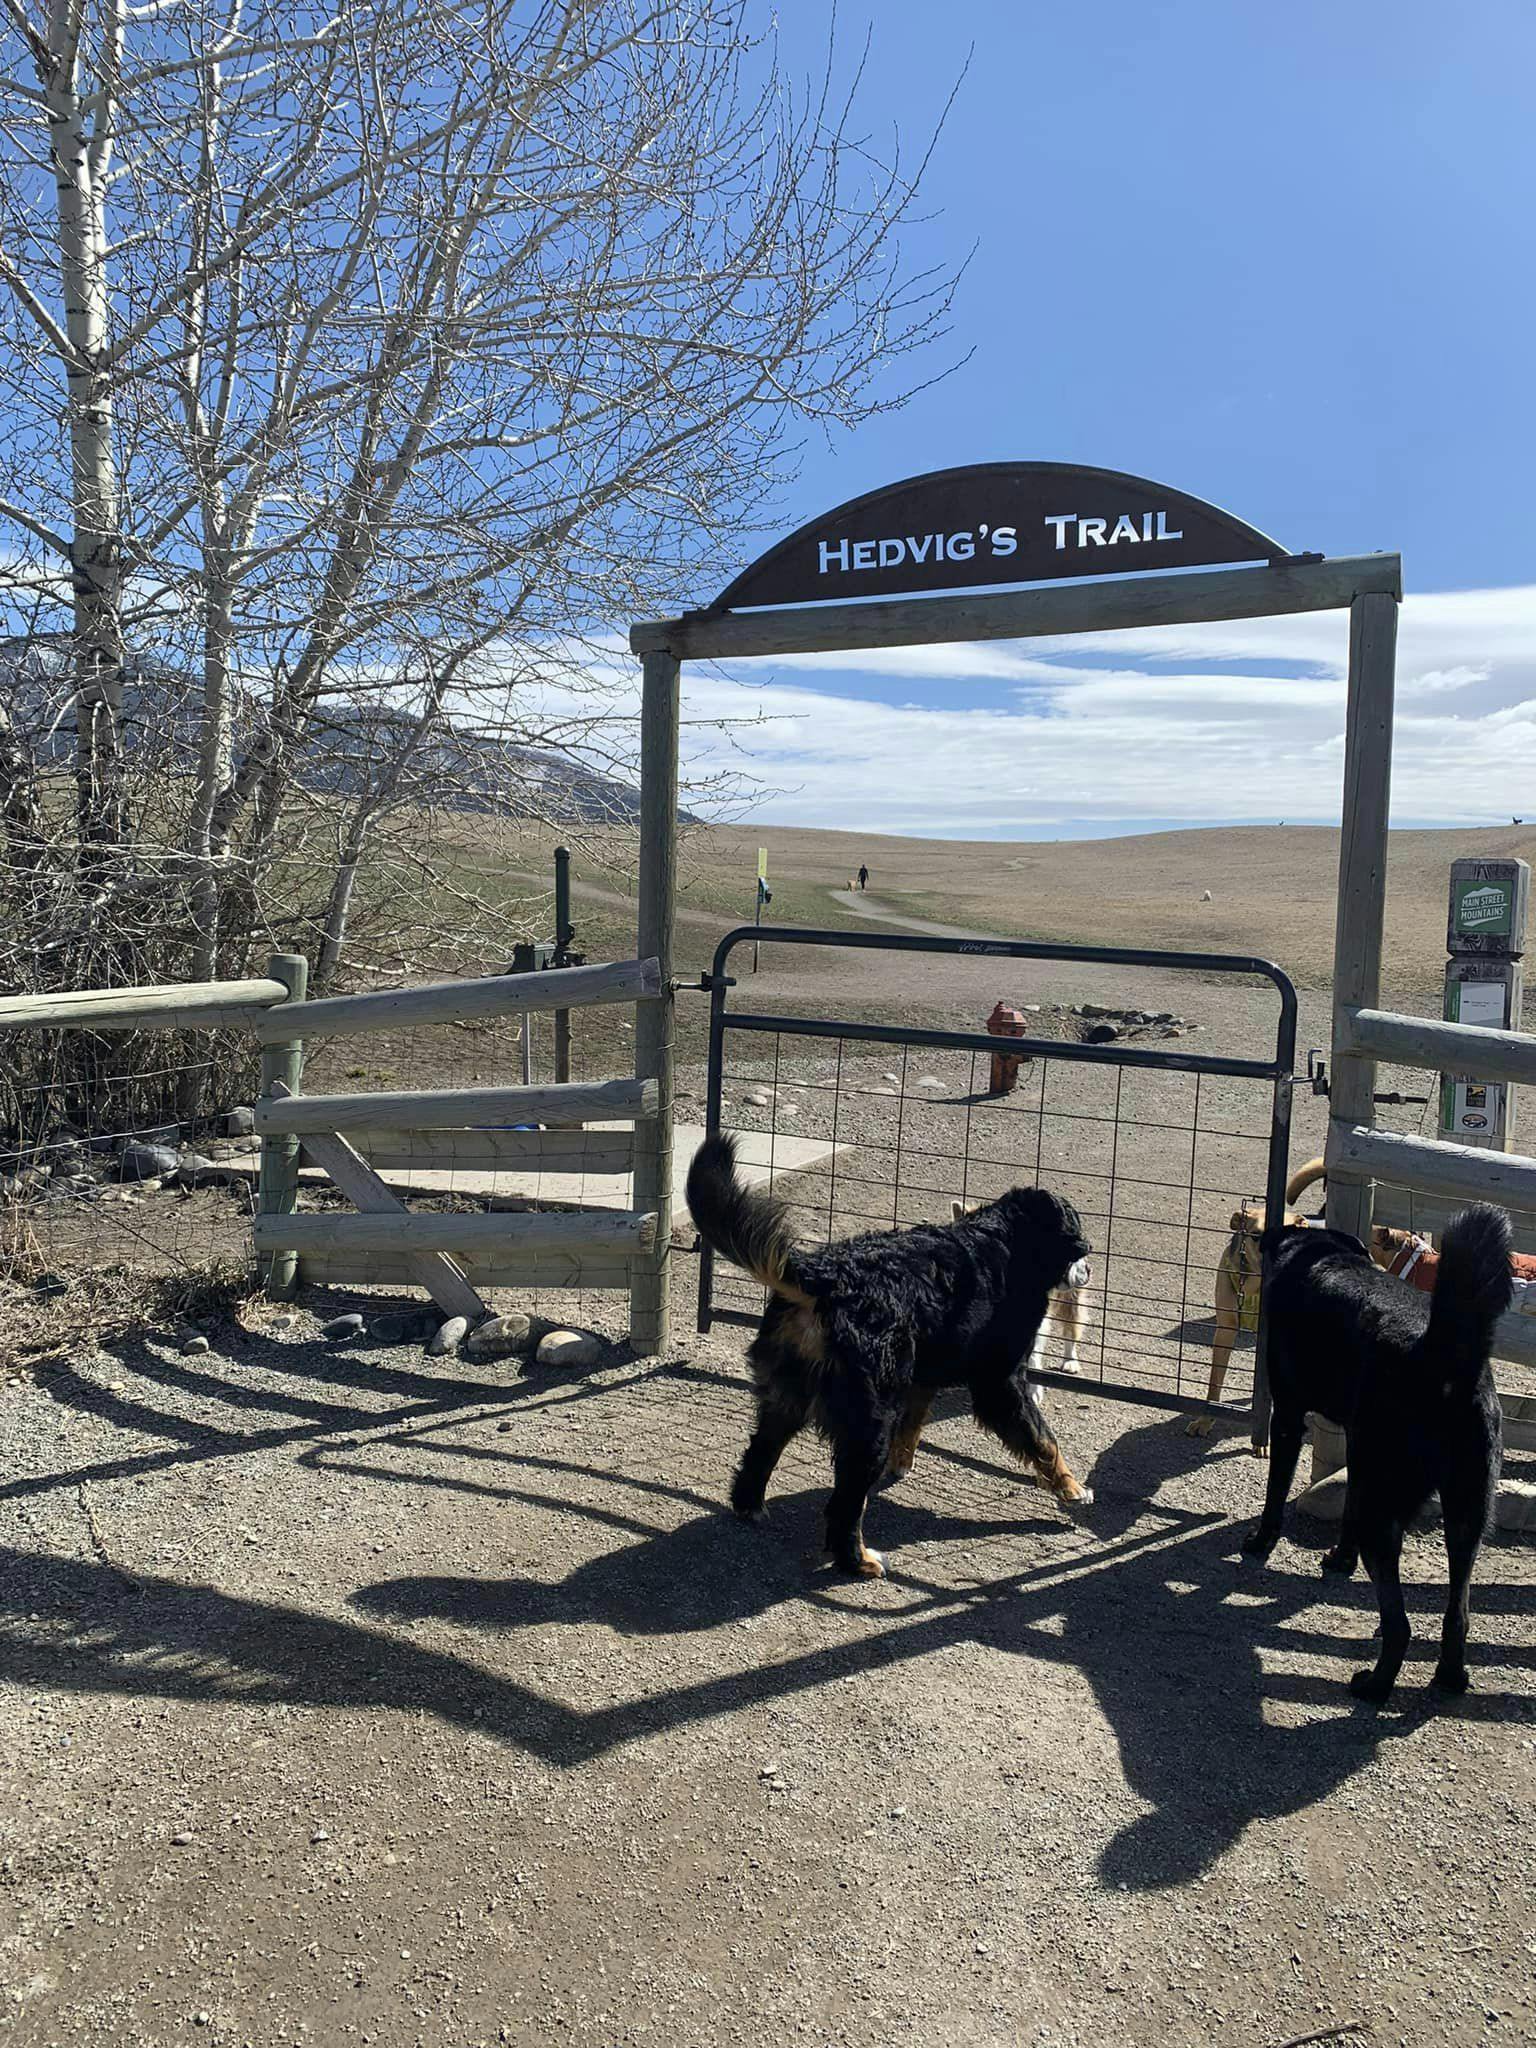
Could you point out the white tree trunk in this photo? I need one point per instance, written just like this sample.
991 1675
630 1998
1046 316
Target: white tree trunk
81 156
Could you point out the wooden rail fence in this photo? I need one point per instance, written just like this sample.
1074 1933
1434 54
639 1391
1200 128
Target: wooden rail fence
1358 1155
452 1255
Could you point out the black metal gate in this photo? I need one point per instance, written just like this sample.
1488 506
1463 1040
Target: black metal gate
1148 1141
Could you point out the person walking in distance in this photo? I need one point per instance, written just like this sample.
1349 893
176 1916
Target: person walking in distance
863 876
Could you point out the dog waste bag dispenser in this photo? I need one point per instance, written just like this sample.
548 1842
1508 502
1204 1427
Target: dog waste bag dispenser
1005 1022
1484 984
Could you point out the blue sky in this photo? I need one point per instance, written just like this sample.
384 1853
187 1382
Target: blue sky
1278 257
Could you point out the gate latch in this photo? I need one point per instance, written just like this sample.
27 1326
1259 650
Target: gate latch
1317 1074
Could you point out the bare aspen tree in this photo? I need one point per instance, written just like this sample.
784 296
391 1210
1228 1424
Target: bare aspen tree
359 365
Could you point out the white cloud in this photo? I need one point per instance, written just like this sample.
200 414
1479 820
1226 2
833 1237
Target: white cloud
1436 680
1168 725
1147 737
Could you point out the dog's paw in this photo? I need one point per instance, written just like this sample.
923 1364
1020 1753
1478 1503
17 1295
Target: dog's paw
1071 1367
1200 1425
1258 1545
1365 1685
748 1510
868 1564
1259 1450
1340 1561
1453 1679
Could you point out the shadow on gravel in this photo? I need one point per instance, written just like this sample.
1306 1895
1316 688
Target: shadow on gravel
398 1393
1188 1656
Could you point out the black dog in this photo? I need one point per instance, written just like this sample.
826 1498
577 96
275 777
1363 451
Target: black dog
1406 1376
860 1335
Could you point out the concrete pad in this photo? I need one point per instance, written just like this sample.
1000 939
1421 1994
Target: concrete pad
760 1155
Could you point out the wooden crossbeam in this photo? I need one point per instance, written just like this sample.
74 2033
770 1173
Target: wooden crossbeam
1468 1051
361 1185
526 1152
1430 1166
445 1109
586 1270
490 995
625 1231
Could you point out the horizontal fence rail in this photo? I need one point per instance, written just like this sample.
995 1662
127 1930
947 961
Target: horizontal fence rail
497 1151
1455 1174
1465 1051
507 1267
177 1006
446 1109
492 995
1431 1166
619 1231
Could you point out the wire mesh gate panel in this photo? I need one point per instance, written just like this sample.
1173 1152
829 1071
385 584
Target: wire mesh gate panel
1155 1147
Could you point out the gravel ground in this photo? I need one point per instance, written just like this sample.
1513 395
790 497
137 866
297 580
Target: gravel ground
352 1696
347 1695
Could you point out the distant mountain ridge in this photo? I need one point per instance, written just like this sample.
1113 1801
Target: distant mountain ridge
342 754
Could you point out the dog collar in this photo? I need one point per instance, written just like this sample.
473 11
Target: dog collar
1411 1255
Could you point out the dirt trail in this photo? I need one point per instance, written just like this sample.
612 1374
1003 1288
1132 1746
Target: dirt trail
887 913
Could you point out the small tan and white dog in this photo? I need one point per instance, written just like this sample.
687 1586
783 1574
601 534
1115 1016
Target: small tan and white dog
1237 1286
1066 1312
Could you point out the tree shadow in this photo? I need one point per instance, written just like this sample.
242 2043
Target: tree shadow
313 1417
1187 1654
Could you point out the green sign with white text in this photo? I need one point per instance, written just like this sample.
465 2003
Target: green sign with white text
1485 908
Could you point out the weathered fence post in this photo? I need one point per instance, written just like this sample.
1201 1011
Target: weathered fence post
1361 914
1362 880
277 1192
649 1308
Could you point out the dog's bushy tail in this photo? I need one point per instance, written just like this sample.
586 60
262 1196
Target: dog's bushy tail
1473 1288
744 1225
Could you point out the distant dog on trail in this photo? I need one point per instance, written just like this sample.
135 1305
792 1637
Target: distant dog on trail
859 1336
1406 1376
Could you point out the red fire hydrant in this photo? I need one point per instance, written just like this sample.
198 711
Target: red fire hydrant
1006 1022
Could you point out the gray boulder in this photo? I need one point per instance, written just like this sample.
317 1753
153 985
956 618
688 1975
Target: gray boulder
499 1337
139 1161
570 1348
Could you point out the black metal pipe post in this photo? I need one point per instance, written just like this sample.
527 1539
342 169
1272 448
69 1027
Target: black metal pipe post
714 1093
1274 1202
563 936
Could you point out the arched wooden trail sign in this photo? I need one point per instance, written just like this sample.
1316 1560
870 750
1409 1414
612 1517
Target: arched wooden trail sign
1009 550
994 523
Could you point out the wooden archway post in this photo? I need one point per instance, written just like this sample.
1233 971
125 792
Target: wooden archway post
1361 915
1362 880
650 1319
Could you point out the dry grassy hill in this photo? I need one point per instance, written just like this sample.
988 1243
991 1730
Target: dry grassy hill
1273 888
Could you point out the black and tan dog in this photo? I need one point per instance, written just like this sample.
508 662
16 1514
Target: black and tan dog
1406 1376
860 1335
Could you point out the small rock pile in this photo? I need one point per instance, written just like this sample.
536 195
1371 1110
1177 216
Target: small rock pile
68 1166
512 1335
1104 1023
